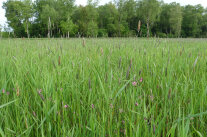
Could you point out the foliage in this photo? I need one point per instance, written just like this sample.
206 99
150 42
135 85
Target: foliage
56 18
14 16
192 16
171 19
68 27
149 11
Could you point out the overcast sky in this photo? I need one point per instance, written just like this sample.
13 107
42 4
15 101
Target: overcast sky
101 2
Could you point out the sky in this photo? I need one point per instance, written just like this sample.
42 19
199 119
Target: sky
101 2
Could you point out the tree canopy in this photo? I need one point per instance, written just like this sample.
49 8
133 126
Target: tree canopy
119 18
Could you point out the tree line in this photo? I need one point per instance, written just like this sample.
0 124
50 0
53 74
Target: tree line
120 18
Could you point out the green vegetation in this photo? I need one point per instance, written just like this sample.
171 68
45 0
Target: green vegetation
62 18
109 87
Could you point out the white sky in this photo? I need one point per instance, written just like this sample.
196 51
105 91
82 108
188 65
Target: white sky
101 2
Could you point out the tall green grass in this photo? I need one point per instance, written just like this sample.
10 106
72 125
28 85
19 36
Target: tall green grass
57 87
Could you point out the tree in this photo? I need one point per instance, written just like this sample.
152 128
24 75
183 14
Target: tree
86 19
129 9
92 29
192 17
108 19
55 18
49 16
204 24
149 11
27 14
164 19
18 14
175 18
14 16
68 27
171 19
122 17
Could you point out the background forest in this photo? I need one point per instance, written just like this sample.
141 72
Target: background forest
119 18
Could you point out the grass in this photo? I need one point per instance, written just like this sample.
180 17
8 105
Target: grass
57 87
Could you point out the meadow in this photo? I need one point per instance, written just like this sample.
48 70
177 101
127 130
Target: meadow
103 87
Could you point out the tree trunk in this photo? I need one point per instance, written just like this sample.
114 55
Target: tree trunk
48 35
138 28
68 34
27 31
53 26
148 28
79 35
119 29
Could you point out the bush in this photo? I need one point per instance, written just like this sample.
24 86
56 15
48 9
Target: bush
102 33
6 35
161 35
